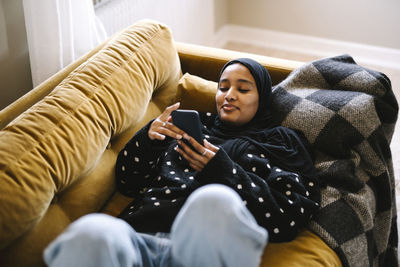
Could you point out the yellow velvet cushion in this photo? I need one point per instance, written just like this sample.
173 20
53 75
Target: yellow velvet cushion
47 152
307 249
197 93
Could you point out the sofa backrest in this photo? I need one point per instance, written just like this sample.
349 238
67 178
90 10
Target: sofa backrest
206 62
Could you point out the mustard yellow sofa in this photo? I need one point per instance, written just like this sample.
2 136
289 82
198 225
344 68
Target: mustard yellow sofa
59 142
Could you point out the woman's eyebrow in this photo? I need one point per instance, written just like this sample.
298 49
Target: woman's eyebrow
238 80
245 81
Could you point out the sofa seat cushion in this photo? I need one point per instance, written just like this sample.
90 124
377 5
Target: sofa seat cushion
57 158
306 250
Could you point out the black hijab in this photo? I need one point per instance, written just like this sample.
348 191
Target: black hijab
285 147
262 119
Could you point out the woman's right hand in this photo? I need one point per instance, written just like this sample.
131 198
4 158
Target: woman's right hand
162 125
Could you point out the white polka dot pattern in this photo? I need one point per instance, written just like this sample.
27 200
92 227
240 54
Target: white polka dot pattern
257 180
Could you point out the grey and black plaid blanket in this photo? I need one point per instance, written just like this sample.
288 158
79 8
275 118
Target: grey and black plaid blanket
348 114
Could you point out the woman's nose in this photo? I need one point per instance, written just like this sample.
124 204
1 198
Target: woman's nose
230 95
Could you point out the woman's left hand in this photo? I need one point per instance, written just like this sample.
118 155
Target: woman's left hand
197 160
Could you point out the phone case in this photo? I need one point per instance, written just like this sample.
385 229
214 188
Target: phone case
189 121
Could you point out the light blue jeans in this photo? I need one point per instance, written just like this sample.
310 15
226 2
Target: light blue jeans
213 228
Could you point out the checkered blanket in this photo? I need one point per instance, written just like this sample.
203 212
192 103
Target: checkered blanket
348 114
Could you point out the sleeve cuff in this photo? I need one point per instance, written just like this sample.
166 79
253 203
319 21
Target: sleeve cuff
216 168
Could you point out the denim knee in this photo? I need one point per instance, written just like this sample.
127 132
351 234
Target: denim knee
94 240
214 228
215 198
98 227
210 209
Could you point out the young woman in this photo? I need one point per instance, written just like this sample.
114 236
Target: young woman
214 205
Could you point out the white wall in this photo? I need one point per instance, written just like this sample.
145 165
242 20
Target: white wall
370 22
220 13
190 20
196 21
15 74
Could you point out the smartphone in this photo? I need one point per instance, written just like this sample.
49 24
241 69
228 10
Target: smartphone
189 122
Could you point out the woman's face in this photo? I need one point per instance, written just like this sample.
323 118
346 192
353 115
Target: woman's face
237 95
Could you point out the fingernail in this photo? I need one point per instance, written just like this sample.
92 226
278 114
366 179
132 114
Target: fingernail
186 136
179 136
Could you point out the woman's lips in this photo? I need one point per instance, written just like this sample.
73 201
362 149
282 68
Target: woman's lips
229 107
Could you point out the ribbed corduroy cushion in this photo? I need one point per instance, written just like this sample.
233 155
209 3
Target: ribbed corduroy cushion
56 143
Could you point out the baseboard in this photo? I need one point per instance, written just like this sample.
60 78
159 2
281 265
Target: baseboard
319 47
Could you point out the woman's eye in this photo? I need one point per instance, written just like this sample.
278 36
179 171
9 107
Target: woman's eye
243 90
223 89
